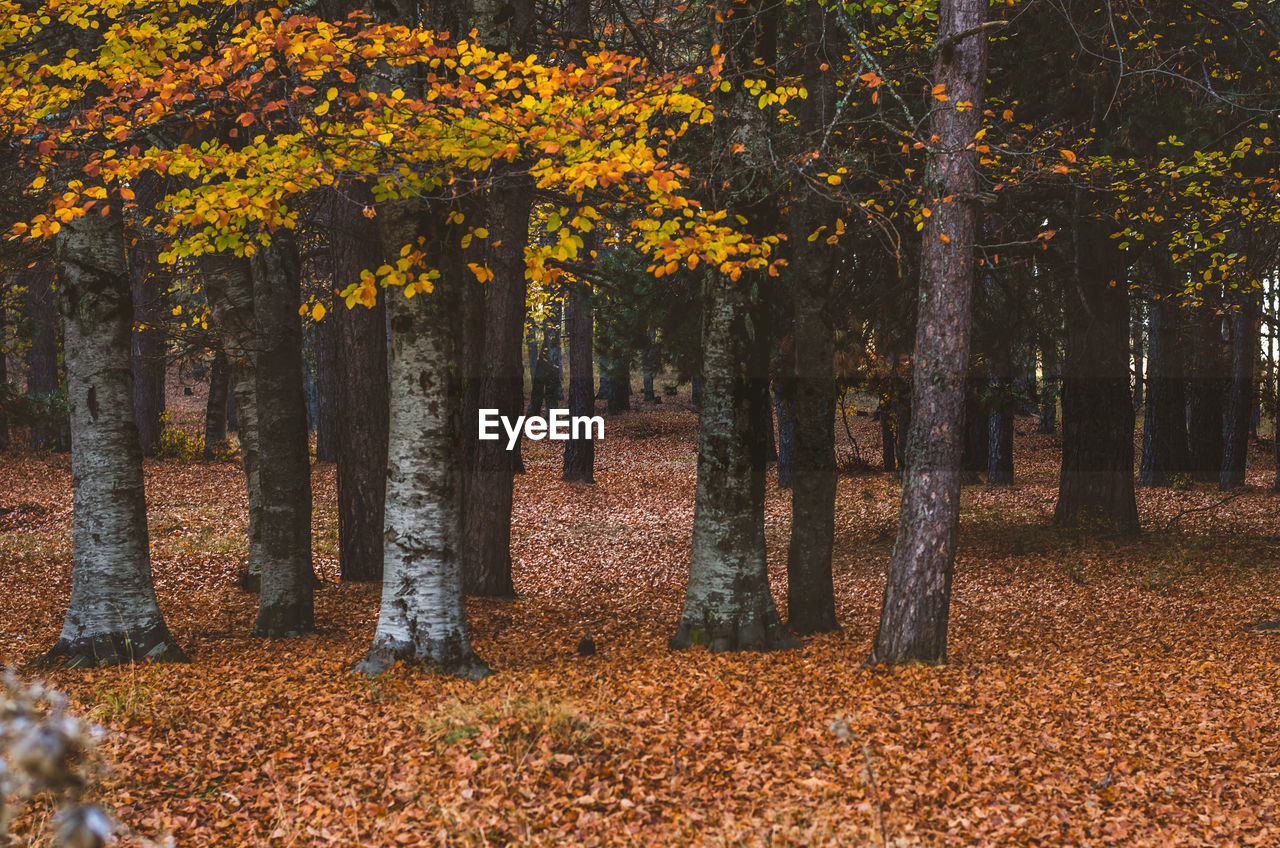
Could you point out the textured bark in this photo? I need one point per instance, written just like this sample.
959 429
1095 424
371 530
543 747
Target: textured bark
422 618
1235 426
1139 370
4 381
1096 483
215 410
326 339
1164 428
362 399
148 348
489 489
1000 444
579 454
1206 390
785 407
973 454
50 432
888 434
113 616
811 605
728 605
229 288
285 603
917 600
1048 388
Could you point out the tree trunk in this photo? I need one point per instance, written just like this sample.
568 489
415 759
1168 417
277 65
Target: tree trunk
695 390
1096 482
4 381
229 287
728 605
917 600
811 605
648 367
973 455
215 409
148 350
285 604
326 337
487 516
1048 388
113 616
1139 373
1164 428
579 454
1206 388
888 434
999 418
785 407
422 618
1235 428
361 395
49 430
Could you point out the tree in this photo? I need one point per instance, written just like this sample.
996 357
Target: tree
113 616
422 617
913 619
1164 429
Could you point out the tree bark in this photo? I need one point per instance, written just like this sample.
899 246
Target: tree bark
285 603
229 287
215 410
1096 482
4 381
489 491
1235 427
1048 388
811 605
785 406
148 349
579 454
422 618
326 337
50 429
728 605
1139 372
917 600
1164 428
1206 389
362 397
113 616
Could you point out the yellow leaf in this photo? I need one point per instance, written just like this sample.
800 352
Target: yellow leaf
317 312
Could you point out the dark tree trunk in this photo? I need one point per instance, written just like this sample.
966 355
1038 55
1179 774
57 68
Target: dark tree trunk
579 454
487 516
695 390
1235 428
1139 372
233 422
545 364
1096 483
148 349
285 604
326 338
1048 388
4 381
888 434
785 408
50 429
1206 389
215 409
112 616
728 605
811 605
648 367
1164 428
999 418
917 599
361 395
1000 449
973 456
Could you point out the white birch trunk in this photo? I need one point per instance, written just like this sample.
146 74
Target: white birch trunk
423 619
113 616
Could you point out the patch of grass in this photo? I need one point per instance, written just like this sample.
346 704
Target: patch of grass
515 727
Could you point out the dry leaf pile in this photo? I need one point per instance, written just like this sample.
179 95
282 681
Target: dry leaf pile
1101 690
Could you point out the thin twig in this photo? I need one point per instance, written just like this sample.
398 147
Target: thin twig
1237 493
875 790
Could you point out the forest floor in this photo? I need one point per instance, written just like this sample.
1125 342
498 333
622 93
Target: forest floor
1100 690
